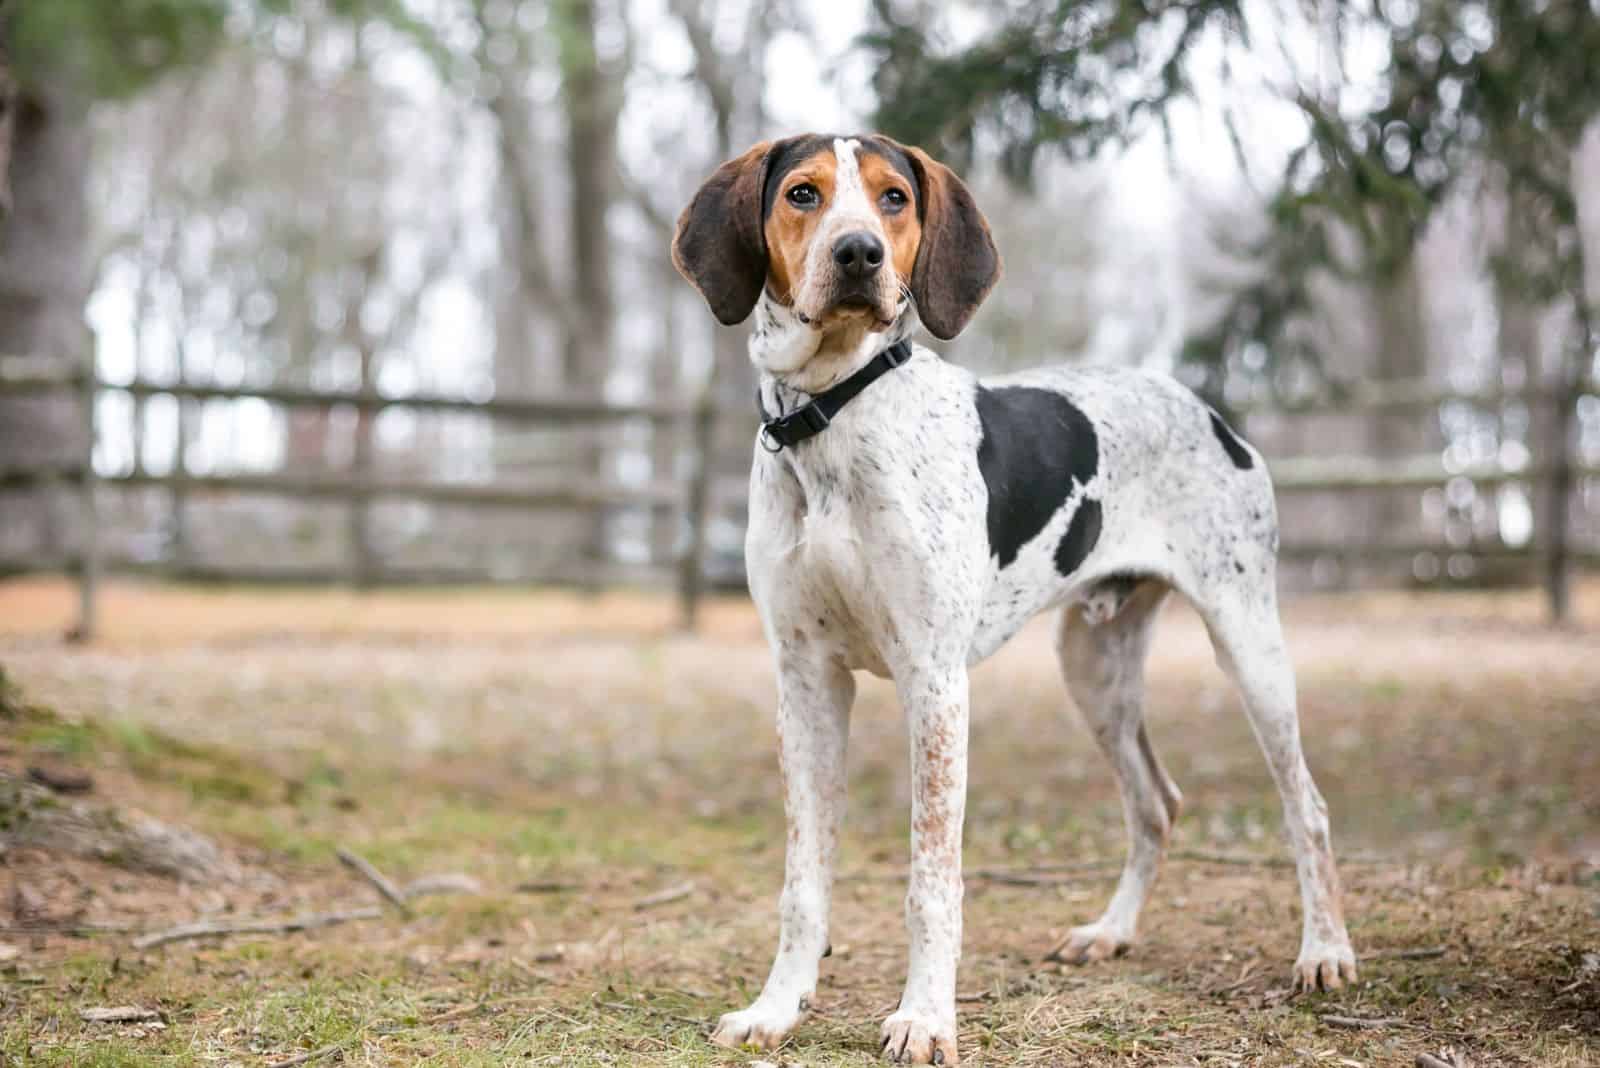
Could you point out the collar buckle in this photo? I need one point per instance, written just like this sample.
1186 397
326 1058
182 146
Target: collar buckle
806 421
815 419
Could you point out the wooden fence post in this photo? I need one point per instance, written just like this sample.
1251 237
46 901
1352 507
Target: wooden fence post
1557 562
178 491
696 513
363 561
89 513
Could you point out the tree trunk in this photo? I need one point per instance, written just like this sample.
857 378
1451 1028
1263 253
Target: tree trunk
1400 353
593 102
44 285
592 94
10 93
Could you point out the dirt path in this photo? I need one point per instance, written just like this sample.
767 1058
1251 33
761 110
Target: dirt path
582 751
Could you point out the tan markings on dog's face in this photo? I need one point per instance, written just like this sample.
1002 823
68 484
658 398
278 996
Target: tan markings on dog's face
839 189
895 200
795 217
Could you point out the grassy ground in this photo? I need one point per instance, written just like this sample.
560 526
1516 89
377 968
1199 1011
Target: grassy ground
576 757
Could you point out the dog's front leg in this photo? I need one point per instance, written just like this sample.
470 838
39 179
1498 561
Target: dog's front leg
813 726
923 1029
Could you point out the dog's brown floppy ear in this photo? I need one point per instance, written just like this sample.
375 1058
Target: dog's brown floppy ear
957 263
719 246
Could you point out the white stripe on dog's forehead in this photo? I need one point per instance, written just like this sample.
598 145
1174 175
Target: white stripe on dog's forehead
848 175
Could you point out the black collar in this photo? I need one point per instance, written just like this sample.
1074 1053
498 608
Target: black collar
812 418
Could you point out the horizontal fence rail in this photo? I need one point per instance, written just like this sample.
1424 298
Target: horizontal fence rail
360 487
696 497
1396 395
549 494
541 409
1415 472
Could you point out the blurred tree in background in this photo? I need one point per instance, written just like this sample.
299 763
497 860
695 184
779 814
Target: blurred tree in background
405 195
1493 91
1405 107
57 58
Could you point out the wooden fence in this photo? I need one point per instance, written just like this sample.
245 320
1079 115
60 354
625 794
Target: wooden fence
1560 475
359 486
689 496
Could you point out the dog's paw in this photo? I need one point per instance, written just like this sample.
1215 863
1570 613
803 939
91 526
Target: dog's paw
919 1038
761 1026
1091 942
1325 966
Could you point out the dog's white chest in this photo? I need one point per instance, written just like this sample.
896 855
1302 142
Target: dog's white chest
832 574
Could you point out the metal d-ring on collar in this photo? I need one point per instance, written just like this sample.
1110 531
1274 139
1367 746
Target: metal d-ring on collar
812 418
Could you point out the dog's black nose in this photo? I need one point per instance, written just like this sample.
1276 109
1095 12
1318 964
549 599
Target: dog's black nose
859 255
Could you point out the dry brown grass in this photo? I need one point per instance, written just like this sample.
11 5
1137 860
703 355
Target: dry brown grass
581 741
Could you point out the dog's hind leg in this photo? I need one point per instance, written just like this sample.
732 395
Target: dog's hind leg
814 698
1248 638
1104 665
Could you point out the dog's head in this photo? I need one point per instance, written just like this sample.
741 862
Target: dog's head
841 230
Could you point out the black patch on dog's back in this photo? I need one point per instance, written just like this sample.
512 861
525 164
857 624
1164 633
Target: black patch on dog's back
1079 540
1230 441
1036 444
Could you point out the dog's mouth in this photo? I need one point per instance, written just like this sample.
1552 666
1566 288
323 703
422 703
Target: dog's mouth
860 304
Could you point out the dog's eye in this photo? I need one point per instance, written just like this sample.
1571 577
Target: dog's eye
894 198
804 195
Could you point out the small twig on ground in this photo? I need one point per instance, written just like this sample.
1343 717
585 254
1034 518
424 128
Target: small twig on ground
623 1006
1250 860
543 956
1237 860
448 883
73 928
1029 876
665 897
308 1057
1247 975
1032 874
1360 1023
1451 1059
362 867
1426 953
458 1013
118 1014
545 886
209 928
1080 867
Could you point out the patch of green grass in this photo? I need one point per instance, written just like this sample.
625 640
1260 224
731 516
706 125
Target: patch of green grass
319 1012
447 828
281 835
60 738
92 1054
1388 688
207 773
